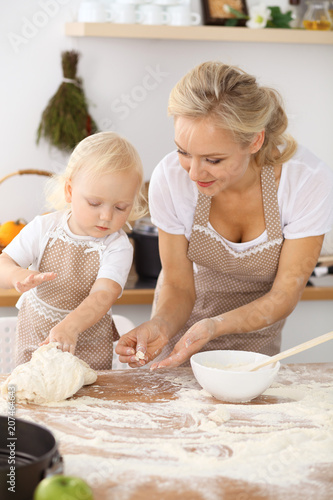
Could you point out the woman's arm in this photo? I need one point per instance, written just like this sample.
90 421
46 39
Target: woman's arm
103 295
177 294
297 261
14 276
174 306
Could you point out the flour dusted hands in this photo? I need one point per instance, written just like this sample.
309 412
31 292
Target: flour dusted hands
191 342
65 340
14 276
34 279
147 339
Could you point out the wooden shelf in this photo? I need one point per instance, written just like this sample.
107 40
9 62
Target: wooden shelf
203 33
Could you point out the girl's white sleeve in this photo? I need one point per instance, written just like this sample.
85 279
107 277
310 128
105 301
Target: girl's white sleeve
25 248
117 259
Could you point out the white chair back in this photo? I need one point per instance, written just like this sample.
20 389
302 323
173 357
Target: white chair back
123 325
7 343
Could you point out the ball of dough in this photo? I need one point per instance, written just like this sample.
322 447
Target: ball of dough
51 375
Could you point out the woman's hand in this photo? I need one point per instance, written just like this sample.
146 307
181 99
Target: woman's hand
146 338
66 339
34 279
191 342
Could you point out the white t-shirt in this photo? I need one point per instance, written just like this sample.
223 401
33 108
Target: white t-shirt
28 246
305 198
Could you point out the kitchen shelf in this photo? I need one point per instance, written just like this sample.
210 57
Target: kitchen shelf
203 33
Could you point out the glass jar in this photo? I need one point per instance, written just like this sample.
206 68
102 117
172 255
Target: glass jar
330 10
317 16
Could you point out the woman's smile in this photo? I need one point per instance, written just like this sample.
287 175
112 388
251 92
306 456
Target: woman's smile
205 184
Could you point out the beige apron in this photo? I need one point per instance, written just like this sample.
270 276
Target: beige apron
227 279
76 263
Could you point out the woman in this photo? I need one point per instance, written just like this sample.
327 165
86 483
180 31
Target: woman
241 211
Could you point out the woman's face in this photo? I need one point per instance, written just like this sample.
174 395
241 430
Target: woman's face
211 157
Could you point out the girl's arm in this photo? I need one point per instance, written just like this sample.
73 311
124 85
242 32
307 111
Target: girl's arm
103 295
14 276
297 261
174 306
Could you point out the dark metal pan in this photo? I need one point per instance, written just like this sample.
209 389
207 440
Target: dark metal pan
28 453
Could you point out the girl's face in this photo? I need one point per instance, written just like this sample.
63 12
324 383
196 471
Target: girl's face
100 204
211 157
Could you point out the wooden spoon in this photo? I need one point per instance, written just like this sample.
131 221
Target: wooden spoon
292 351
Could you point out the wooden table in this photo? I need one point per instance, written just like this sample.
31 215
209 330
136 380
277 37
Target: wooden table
136 434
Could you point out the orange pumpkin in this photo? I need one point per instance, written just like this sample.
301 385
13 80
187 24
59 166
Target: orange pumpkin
8 231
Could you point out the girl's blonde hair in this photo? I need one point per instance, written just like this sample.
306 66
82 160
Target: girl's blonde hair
97 154
236 102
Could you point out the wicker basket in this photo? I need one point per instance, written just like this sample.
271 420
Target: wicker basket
24 172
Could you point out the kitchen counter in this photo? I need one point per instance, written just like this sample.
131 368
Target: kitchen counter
140 292
137 292
137 434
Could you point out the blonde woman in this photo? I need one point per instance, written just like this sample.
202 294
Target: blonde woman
241 211
78 256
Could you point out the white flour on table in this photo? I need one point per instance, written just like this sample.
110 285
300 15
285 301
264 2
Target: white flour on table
195 436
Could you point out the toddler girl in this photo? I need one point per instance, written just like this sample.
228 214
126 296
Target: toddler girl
78 256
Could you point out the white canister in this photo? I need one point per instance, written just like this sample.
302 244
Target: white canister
181 15
154 14
93 12
126 13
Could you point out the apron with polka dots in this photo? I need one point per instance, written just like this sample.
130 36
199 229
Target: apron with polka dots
76 263
226 279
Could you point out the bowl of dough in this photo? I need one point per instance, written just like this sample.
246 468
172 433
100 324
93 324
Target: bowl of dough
225 375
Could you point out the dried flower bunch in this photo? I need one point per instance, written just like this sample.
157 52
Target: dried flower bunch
66 120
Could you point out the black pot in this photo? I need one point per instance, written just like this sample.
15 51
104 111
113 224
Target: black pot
26 457
146 254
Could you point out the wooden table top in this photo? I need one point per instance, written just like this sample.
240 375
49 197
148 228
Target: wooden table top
140 435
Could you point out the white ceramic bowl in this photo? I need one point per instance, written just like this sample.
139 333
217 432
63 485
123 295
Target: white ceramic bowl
232 386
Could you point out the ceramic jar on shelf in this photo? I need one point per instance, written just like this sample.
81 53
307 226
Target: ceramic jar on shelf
148 12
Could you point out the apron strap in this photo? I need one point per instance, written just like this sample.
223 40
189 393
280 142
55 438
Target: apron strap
202 209
270 202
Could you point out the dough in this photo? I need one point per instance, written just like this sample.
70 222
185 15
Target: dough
50 375
139 355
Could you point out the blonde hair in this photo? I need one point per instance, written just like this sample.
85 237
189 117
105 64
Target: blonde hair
236 102
97 154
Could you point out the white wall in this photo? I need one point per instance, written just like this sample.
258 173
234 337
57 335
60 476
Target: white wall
112 69
115 68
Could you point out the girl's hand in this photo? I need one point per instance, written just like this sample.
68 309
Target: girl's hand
146 338
191 342
34 280
66 340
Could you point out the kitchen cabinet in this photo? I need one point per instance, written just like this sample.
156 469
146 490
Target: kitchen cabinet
202 33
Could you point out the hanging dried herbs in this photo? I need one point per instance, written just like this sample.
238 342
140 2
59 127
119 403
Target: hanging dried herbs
66 120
